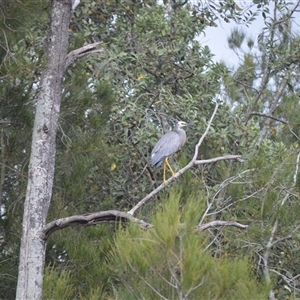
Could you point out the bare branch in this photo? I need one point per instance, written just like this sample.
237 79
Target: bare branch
178 174
195 287
296 170
268 116
75 3
274 105
205 226
205 132
114 215
162 277
215 159
290 281
272 240
146 282
263 84
8 53
289 236
267 70
278 120
83 51
289 15
91 219
215 239
223 185
265 256
191 164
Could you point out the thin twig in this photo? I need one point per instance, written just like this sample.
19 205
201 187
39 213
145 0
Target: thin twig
221 187
163 278
268 116
146 282
290 282
274 105
191 164
205 132
195 287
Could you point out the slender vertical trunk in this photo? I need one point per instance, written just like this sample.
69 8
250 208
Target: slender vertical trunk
42 160
2 173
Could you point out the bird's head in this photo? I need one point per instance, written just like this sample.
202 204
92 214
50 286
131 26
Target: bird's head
181 124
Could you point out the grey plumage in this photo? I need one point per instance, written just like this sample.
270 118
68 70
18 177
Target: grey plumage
168 144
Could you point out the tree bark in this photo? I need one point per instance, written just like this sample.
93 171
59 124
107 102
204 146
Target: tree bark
42 160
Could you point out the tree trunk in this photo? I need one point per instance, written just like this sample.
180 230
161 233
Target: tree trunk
42 160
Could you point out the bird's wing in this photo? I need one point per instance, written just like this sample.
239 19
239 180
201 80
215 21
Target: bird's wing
167 145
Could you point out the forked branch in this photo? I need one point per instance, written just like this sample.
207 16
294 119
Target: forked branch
191 164
113 216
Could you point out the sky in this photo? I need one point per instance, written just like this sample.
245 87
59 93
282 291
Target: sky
216 38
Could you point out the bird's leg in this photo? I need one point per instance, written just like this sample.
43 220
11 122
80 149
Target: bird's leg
164 171
167 163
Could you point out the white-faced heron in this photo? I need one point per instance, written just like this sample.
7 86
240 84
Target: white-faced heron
167 145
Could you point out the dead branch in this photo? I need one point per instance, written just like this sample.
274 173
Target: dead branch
222 186
202 227
268 116
191 164
83 51
179 173
274 105
115 216
109 216
205 132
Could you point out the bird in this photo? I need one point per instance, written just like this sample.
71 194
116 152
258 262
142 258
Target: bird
167 145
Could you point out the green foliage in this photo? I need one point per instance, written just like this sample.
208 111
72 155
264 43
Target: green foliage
269 203
153 78
169 261
266 197
20 59
115 106
78 259
57 285
82 181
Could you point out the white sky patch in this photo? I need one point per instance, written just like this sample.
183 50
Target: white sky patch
216 37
